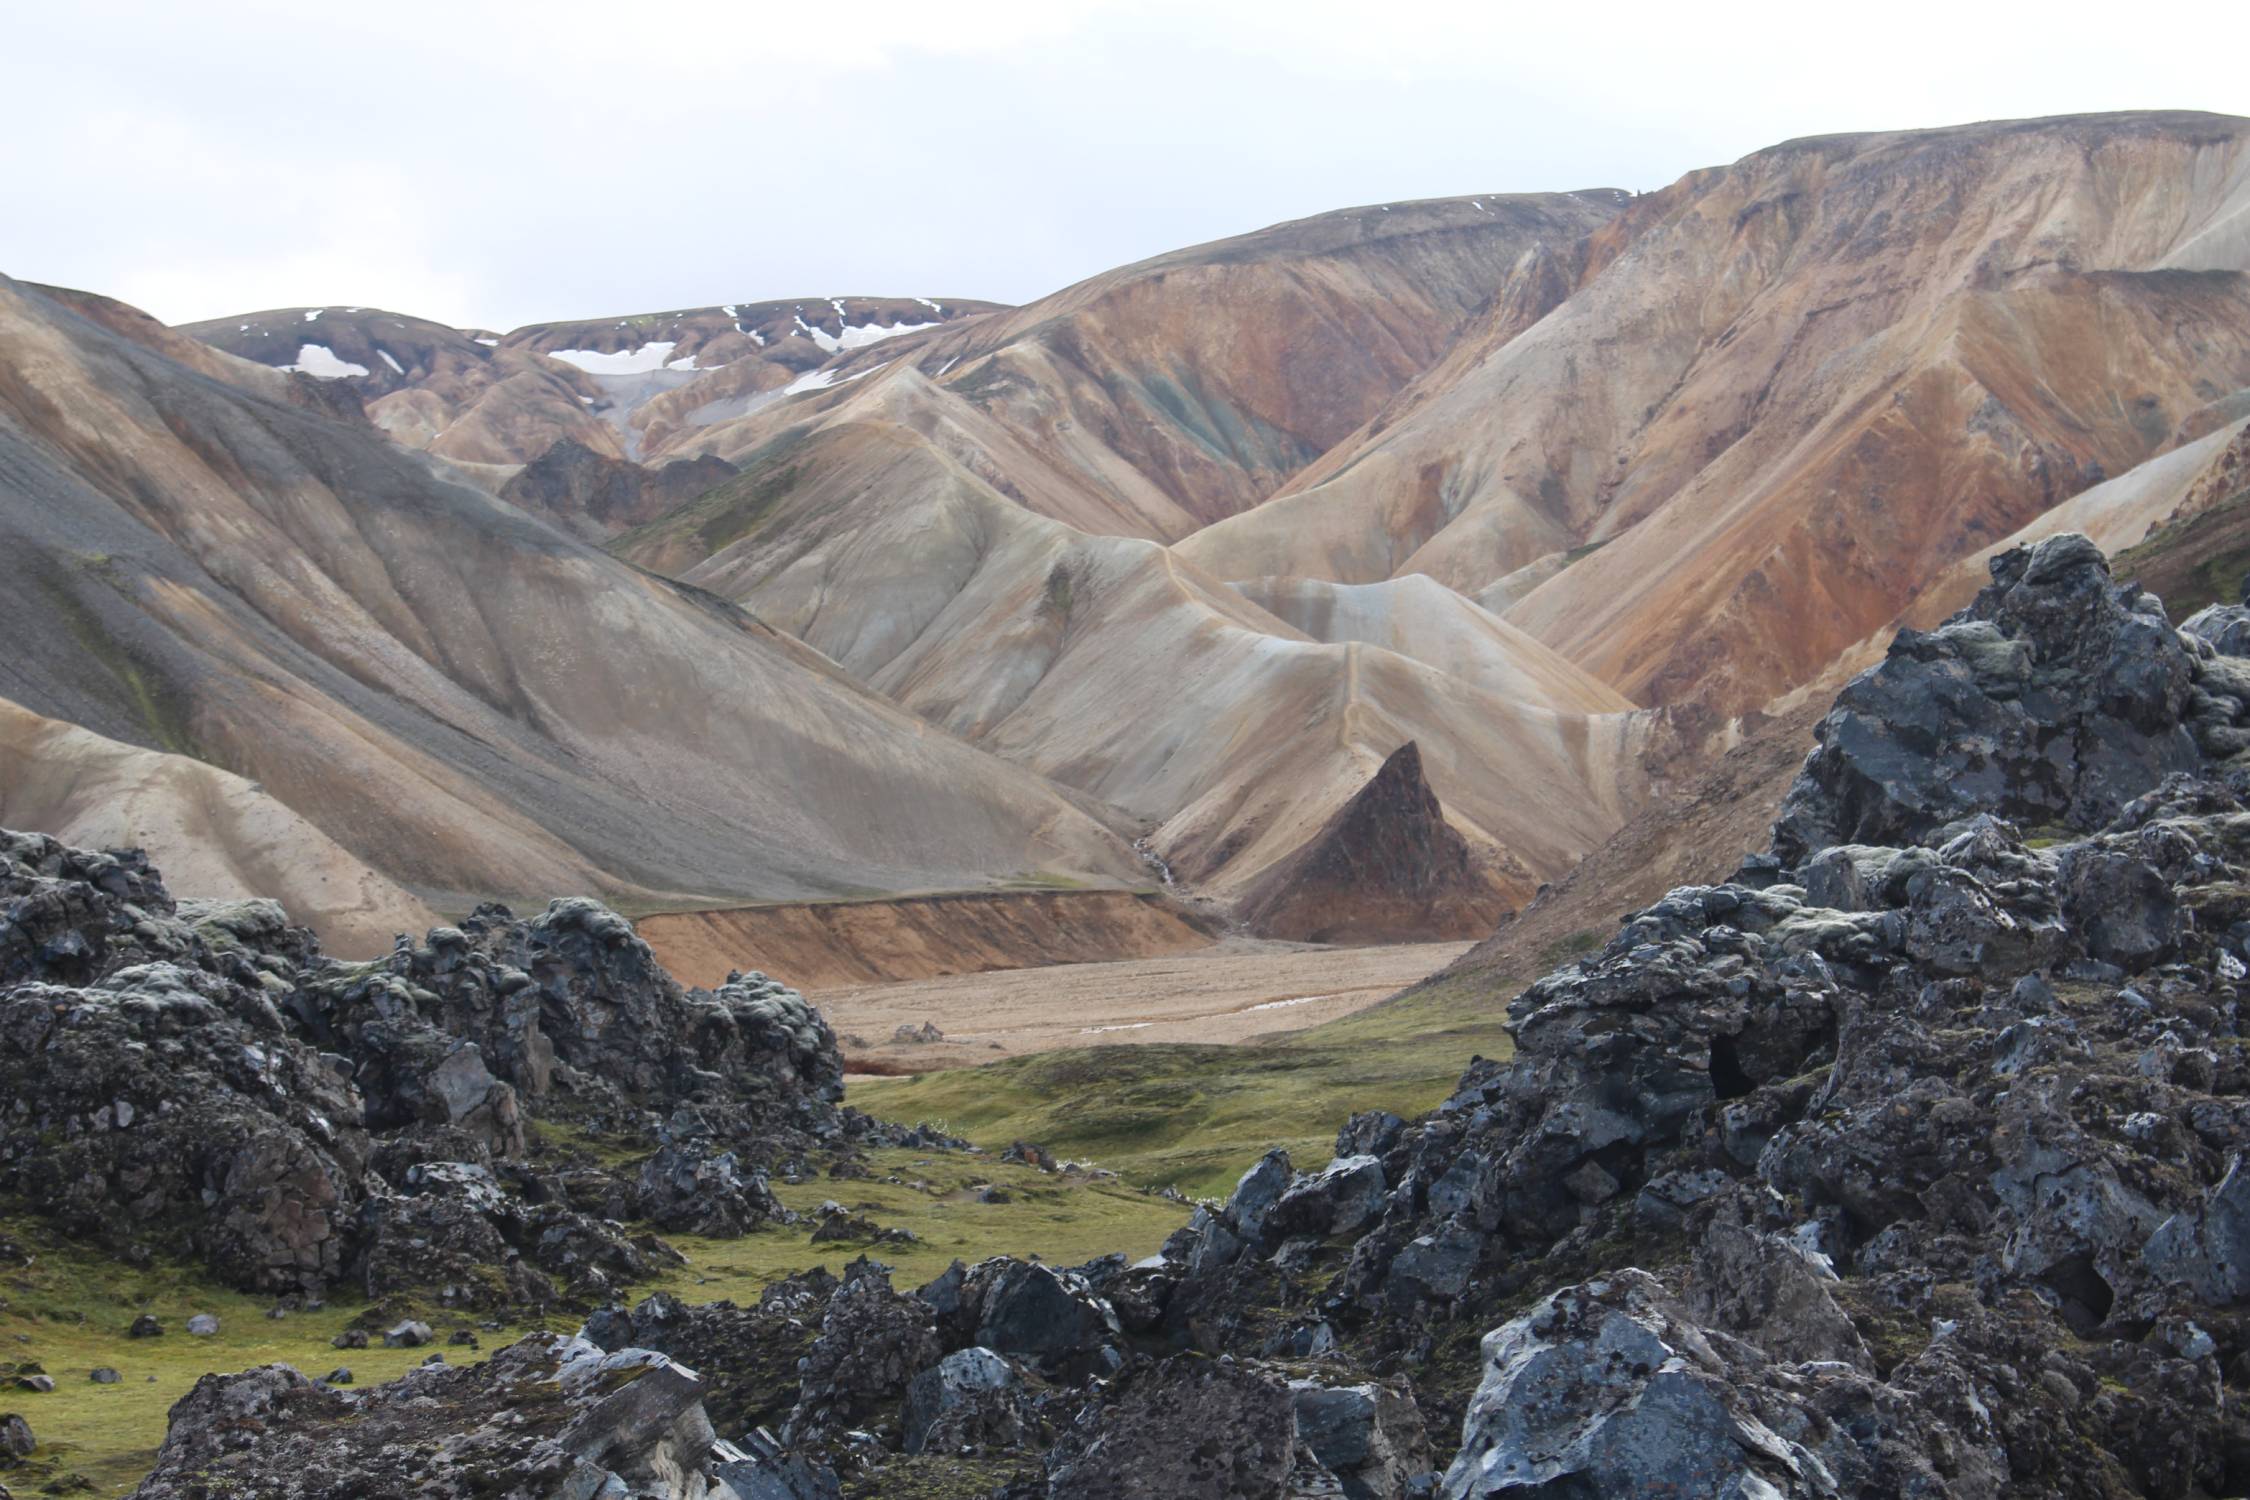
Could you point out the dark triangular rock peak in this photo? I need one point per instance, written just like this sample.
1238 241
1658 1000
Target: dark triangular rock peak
1386 866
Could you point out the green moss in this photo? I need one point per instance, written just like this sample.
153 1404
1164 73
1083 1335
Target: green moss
726 513
2203 560
936 1477
1576 945
1044 880
1195 1117
154 705
1062 1220
69 1310
552 1138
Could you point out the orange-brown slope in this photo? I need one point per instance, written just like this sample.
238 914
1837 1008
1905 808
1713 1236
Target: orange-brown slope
1789 392
1167 394
1385 868
829 943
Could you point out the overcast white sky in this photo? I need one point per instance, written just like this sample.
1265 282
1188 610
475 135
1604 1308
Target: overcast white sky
501 164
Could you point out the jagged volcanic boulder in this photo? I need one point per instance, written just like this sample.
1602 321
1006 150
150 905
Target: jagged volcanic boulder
573 1012
197 1075
71 915
748 1356
691 1186
1212 1429
1385 867
476 1238
970 1400
146 1111
872 1342
2053 700
547 1416
158 1098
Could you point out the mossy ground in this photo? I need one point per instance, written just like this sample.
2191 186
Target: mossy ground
1187 1116
1195 1117
69 1309
1062 1220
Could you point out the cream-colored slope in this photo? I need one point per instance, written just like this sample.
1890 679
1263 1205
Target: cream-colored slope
213 835
1422 619
1789 393
469 701
1108 665
1093 491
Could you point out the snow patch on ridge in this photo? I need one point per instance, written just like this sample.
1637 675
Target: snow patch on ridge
860 335
320 362
642 361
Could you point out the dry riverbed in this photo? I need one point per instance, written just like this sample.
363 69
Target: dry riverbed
1234 990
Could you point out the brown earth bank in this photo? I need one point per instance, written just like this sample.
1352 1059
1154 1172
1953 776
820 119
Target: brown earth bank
1236 990
819 944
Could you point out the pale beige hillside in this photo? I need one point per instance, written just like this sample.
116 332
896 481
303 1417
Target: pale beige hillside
214 835
1420 618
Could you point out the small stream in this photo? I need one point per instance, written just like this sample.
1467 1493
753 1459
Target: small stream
1145 847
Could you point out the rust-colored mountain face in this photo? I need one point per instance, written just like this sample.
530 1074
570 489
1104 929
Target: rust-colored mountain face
1780 397
1154 399
467 701
1385 867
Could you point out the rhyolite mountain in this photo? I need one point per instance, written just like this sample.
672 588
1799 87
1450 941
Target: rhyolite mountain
1109 665
1575 491
1161 396
1386 865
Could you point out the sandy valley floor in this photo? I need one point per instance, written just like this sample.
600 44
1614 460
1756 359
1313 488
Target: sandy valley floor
1229 992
